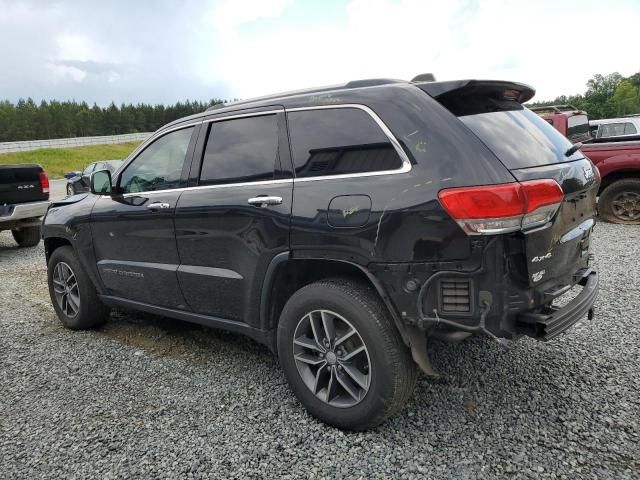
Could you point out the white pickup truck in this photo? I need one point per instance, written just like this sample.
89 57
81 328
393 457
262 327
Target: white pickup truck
24 199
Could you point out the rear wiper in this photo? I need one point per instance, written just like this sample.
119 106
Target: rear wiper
573 149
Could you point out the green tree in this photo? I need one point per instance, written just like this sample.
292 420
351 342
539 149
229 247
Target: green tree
26 120
626 99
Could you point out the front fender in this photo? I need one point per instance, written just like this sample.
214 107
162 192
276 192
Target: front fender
68 221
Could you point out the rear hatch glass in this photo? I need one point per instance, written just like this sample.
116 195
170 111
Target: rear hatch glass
520 138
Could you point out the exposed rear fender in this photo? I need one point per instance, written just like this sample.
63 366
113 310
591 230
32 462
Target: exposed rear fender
286 275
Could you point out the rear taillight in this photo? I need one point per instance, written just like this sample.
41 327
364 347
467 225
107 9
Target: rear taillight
44 182
493 209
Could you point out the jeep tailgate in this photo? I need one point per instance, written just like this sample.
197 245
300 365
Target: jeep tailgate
531 149
555 251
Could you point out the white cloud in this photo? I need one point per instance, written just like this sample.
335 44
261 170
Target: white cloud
244 48
547 44
66 72
230 14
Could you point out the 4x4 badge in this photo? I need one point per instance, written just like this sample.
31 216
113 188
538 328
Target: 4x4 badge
541 258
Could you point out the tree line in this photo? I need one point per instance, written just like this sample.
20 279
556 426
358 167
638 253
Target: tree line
607 96
28 120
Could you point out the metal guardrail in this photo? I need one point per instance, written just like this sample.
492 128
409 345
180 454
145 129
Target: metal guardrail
7 147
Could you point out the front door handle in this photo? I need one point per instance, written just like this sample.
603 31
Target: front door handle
158 206
264 201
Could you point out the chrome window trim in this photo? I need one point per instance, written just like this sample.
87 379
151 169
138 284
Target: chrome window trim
406 162
243 115
206 187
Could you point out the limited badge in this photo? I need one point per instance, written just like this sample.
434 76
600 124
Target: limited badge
536 277
588 172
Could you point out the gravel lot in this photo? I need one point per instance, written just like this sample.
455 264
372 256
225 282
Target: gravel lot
154 398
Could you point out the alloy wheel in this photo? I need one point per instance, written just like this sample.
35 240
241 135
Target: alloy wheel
65 288
331 358
626 206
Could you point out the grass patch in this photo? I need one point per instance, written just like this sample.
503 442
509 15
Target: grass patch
58 161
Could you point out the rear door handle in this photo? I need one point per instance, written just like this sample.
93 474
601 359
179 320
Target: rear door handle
158 206
264 201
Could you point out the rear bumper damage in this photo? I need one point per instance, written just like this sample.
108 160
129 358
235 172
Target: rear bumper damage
552 322
451 301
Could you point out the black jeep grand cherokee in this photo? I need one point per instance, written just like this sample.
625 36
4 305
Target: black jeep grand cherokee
343 227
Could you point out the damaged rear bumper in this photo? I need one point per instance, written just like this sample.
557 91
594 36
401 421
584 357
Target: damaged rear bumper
554 321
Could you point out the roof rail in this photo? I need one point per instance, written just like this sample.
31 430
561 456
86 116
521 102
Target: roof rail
554 108
372 82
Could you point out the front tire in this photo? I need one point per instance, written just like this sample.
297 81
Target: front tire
26 236
70 190
343 356
620 202
73 295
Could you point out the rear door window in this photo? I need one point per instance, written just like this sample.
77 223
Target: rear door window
339 141
240 150
520 138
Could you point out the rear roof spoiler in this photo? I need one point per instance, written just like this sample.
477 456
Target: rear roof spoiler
519 91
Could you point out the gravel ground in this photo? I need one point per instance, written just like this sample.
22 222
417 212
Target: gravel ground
149 397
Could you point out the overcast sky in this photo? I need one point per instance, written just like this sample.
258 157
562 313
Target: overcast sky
166 50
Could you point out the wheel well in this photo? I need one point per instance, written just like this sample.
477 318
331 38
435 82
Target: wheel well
617 175
295 274
52 243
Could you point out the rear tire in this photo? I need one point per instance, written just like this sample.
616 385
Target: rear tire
70 190
620 202
73 295
381 388
26 236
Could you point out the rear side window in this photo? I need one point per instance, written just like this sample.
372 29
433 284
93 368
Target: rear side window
578 128
630 129
240 150
520 138
339 141
613 129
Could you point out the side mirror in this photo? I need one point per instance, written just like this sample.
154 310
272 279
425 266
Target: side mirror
101 182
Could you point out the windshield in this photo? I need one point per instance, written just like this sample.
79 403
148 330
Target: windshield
520 138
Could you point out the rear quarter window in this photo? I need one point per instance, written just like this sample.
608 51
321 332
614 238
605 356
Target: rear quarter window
520 138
